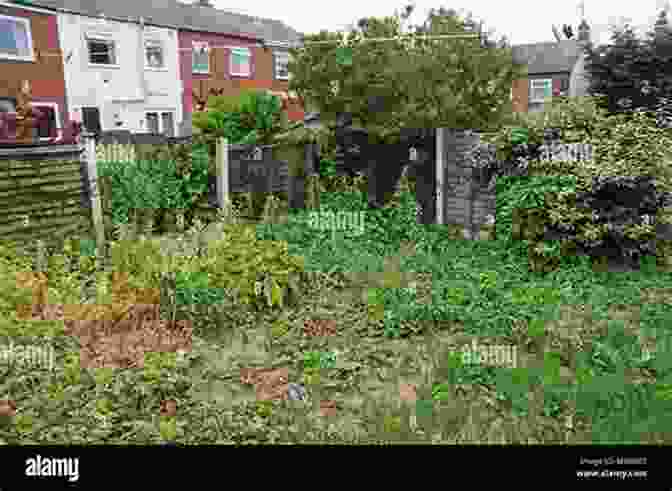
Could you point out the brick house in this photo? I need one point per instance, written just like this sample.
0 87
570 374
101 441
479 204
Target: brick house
228 52
554 68
200 47
30 51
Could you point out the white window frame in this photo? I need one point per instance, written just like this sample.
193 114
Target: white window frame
198 45
536 83
57 116
160 44
31 56
240 50
104 39
284 56
159 113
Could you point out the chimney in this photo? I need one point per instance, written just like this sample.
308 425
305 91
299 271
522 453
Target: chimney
583 36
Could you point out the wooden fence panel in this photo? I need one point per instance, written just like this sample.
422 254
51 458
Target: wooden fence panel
45 192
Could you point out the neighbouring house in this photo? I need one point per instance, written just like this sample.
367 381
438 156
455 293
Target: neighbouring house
30 51
135 65
120 64
554 68
228 52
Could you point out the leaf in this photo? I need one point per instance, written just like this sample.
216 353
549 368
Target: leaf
168 429
344 56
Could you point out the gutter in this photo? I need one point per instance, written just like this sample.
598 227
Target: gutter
20 6
141 58
280 44
129 20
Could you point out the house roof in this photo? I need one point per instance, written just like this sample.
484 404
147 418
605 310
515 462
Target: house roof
551 57
170 13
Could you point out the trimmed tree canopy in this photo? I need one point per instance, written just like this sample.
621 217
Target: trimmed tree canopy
388 76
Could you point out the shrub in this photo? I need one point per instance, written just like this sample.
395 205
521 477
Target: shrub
261 273
251 117
631 156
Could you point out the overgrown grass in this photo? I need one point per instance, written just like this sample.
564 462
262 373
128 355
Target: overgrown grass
578 356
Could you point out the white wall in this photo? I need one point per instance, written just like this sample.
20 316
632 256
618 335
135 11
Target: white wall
127 91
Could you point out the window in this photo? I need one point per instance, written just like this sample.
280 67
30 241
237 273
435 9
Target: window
161 123
167 124
91 119
540 89
7 105
564 85
49 126
240 62
101 52
153 54
153 122
281 62
16 43
200 58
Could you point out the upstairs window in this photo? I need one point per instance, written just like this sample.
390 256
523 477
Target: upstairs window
101 51
200 58
240 62
154 54
16 42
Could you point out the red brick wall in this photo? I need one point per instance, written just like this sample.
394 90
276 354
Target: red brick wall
263 71
45 73
521 91
521 95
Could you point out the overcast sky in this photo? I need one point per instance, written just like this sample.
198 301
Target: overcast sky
521 21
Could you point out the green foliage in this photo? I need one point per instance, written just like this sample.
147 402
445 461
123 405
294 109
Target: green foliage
623 145
261 273
155 184
574 118
518 193
251 117
602 390
452 82
631 72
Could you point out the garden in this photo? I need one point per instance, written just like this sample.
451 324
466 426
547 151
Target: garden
351 325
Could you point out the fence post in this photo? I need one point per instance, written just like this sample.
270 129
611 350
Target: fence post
97 214
222 161
440 167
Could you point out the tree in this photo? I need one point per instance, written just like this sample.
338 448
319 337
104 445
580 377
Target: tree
567 31
632 73
409 81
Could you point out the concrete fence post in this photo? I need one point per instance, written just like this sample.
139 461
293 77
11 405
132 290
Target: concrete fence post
89 153
440 167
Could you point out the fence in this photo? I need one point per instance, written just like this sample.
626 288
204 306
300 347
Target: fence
50 192
260 170
462 200
124 146
265 169
44 190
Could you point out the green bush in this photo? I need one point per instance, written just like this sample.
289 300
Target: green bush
253 116
174 183
261 273
627 149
